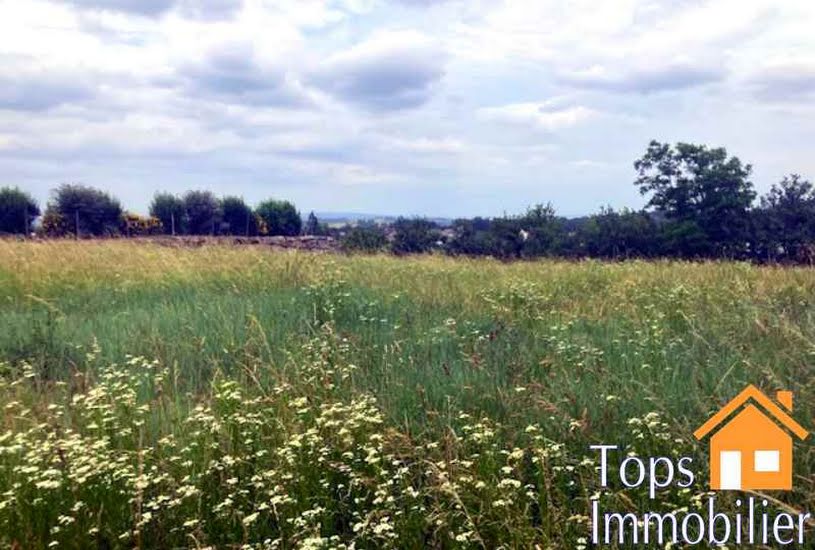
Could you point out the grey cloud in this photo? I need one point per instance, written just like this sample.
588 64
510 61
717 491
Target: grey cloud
784 83
386 76
232 74
199 9
138 7
40 92
209 9
646 80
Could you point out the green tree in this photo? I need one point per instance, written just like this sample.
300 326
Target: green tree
280 217
85 210
17 210
623 234
470 237
414 235
705 192
364 237
238 217
202 212
541 231
169 209
785 221
314 227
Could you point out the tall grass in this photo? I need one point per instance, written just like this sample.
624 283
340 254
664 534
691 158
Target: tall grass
387 402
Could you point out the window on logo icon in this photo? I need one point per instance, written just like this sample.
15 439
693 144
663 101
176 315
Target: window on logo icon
767 461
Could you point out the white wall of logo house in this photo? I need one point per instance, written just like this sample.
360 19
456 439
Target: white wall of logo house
750 450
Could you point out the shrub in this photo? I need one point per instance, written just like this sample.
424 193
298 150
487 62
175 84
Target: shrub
17 210
134 225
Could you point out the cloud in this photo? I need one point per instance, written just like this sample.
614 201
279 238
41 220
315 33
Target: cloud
197 9
443 146
40 92
785 82
233 73
390 71
547 115
137 7
644 80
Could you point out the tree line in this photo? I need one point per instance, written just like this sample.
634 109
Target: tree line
79 210
701 203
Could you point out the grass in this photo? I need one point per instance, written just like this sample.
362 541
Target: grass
227 396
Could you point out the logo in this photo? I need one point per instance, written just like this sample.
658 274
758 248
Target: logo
751 445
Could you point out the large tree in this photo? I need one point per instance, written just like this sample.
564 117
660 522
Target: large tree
169 209
238 218
202 212
17 210
702 190
84 210
785 222
280 218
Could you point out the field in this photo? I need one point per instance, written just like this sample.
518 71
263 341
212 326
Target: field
155 397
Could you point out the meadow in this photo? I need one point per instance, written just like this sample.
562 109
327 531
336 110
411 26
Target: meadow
231 397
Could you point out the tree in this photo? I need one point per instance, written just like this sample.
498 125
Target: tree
365 237
314 227
612 234
17 210
414 236
202 212
704 191
280 217
540 231
785 221
169 209
238 218
85 210
470 237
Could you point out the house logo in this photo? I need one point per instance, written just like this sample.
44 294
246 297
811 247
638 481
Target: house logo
751 445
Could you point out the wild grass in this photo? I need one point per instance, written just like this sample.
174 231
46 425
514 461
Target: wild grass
226 396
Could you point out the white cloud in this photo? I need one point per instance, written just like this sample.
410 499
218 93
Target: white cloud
545 115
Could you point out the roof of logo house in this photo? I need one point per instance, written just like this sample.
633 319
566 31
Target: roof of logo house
769 406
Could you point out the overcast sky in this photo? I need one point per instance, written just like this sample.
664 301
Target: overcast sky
430 107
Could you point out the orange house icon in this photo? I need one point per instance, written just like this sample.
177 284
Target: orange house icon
752 444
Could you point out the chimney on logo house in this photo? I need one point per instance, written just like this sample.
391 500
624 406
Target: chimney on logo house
785 398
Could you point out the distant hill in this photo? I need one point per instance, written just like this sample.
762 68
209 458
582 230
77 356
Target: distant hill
341 218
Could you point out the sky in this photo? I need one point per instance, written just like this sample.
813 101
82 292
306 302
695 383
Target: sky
402 107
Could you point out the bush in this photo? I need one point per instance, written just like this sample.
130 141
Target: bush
280 218
83 210
170 211
202 212
17 210
366 237
134 225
